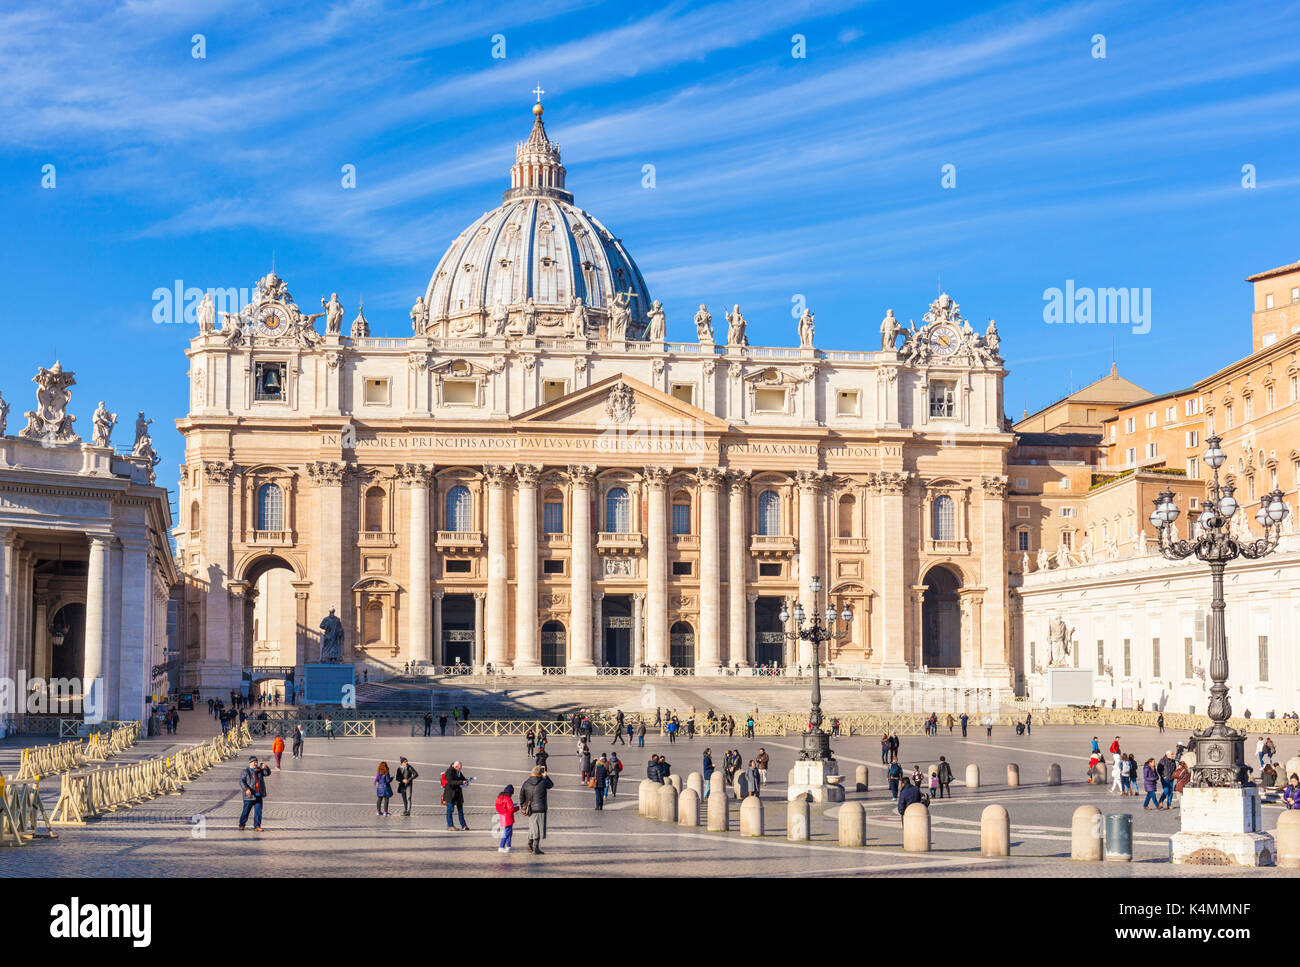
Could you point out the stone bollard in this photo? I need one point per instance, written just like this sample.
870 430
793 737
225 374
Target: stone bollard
853 824
1054 774
719 814
995 832
1288 839
862 778
696 781
1085 834
644 791
667 811
1013 775
797 819
916 829
676 781
789 778
972 776
751 816
688 808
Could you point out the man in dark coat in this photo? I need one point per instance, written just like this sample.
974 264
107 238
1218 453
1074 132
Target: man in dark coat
652 770
602 773
406 776
706 770
252 781
907 795
532 800
945 778
453 796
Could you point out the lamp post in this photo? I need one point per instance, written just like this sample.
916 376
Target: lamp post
1219 748
816 743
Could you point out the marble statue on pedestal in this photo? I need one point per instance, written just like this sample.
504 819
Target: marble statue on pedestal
1059 636
331 642
51 423
704 325
890 329
736 328
333 315
657 330
104 423
619 315
419 316
207 312
806 330
4 415
577 326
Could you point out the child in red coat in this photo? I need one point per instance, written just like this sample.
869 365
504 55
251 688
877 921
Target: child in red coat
506 809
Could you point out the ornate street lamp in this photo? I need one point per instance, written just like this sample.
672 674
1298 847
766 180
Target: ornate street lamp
1219 749
816 743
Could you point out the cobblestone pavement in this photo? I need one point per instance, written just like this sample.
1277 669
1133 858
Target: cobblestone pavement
320 818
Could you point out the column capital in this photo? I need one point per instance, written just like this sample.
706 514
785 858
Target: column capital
994 485
738 481
327 473
498 476
219 471
597 595
656 478
414 474
710 478
437 595
580 475
527 474
480 595
96 540
752 598
811 481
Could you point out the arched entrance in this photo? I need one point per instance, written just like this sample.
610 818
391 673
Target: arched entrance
769 637
69 658
616 637
941 620
270 614
681 645
555 645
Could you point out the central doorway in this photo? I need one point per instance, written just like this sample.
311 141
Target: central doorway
616 635
941 620
681 645
554 645
769 636
458 629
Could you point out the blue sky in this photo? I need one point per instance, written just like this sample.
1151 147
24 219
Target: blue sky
775 175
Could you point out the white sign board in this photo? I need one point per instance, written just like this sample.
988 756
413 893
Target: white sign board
1069 686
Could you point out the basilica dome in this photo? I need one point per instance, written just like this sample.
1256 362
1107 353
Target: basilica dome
538 264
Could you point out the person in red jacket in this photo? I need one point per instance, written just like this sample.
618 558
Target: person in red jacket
506 809
1114 746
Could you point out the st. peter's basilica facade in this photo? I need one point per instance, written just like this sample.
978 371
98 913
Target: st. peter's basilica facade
537 479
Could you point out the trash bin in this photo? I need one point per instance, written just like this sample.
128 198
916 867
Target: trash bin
1119 837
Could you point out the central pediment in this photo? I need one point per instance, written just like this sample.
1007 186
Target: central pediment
620 401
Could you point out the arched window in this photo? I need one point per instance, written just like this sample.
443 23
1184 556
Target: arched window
682 513
270 508
846 515
769 513
944 518
194 516
460 509
374 622
374 509
618 511
553 512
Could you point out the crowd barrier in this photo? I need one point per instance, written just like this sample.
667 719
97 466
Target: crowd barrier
22 812
44 760
92 793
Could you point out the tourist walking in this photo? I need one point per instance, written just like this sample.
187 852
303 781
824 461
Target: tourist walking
584 760
706 770
884 748
640 735
506 809
277 749
532 803
329 727
453 793
252 782
945 779
893 746
1160 723
895 775
618 728
907 795
1165 770
530 739
406 776
988 726
615 767
598 780
383 790
542 756
1029 723
964 719
762 759
749 727
672 731
950 723
755 779
1149 783
442 723
298 738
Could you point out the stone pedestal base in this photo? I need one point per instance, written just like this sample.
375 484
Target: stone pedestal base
1222 827
810 776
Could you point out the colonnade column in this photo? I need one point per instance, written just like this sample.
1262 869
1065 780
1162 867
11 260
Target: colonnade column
416 480
894 620
710 549
740 619
580 580
809 482
638 626
478 658
656 616
498 584
526 642
597 636
7 545
437 627
92 674
751 635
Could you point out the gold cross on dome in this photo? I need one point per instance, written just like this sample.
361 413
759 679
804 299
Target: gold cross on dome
539 92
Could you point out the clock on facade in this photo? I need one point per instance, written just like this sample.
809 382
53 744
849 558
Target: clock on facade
270 320
944 340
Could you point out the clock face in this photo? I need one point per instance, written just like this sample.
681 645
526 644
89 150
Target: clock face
271 321
944 340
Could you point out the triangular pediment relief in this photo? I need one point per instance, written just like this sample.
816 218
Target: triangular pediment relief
461 368
620 400
771 376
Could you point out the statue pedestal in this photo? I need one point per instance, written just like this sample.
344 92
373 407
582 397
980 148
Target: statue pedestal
328 683
817 777
1222 826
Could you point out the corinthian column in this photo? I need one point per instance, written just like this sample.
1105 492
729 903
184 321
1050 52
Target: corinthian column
656 613
580 580
416 479
526 644
738 623
92 674
710 545
809 482
497 478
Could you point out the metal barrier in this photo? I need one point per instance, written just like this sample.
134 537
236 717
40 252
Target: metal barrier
22 812
364 728
44 760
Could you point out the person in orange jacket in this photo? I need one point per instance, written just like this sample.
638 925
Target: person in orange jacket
506 809
277 749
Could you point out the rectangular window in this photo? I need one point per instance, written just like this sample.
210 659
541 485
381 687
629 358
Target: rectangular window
769 570
1171 414
684 392
377 392
1033 654
1295 388
1067 540
769 400
552 390
1189 669
1268 301
1022 540
1268 398
1151 420
270 382
681 518
1263 658
1065 483
1022 483
943 399
457 567
846 403
1131 455
681 568
1101 656
1295 294
552 567
1112 433
459 392
1194 468
1128 658
1130 425
1151 451
553 517
1155 657
1193 439
1066 511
